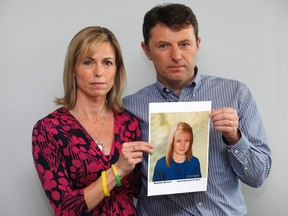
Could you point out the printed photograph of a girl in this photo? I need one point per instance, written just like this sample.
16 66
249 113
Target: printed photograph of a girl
179 162
180 141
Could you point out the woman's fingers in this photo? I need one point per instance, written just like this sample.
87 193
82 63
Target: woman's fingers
131 155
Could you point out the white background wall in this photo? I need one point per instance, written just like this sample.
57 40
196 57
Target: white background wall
244 40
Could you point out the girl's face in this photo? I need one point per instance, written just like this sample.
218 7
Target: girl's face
181 142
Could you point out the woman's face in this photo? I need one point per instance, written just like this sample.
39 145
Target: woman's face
95 74
181 142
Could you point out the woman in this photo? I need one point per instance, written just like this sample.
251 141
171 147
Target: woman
179 162
84 152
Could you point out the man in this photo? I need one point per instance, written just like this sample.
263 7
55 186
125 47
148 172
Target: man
238 149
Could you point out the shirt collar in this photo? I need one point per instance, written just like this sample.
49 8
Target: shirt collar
194 83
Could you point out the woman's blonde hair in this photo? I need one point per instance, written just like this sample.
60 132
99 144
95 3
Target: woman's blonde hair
84 44
184 127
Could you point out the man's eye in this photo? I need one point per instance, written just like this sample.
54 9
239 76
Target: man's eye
185 44
163 46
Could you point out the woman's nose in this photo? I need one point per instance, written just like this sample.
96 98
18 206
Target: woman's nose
98 71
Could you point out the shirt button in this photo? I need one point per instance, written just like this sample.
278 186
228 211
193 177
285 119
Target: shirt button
166 90
236 151
246 168
200 203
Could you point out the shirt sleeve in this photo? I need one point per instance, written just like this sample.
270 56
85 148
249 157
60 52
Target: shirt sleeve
136 182
198 168
251 156
51 168
156 174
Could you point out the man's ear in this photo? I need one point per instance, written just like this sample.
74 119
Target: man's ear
145 48
198 43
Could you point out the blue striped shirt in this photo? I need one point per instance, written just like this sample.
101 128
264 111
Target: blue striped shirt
248 161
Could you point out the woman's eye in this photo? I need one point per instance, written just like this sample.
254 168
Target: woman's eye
108 63
87 63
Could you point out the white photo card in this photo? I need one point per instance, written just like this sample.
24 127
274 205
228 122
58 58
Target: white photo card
179 132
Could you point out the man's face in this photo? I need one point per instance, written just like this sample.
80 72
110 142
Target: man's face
173 54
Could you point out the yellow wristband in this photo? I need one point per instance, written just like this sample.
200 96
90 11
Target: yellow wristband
104 184
117 178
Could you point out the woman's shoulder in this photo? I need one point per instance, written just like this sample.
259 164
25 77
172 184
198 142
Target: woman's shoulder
55 117
126 116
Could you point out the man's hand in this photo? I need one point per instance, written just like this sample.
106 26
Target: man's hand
226 120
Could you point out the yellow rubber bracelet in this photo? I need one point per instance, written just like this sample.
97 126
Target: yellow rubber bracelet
117 178
104 184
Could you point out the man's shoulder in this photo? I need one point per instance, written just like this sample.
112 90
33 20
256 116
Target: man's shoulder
144 92
217 81
210 78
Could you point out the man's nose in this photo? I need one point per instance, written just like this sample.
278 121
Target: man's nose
175 54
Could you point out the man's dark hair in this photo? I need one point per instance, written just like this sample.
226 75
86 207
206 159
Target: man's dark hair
175 16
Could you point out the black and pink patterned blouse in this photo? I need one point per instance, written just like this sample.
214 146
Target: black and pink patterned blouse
67 160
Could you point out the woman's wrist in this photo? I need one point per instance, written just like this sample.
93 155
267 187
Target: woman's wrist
121 173
116 174
104 184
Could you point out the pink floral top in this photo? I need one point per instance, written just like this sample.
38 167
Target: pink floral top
67 160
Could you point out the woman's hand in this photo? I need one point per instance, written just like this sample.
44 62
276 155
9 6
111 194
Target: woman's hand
131 155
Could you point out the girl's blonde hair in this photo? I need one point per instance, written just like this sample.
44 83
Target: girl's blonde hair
183 127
